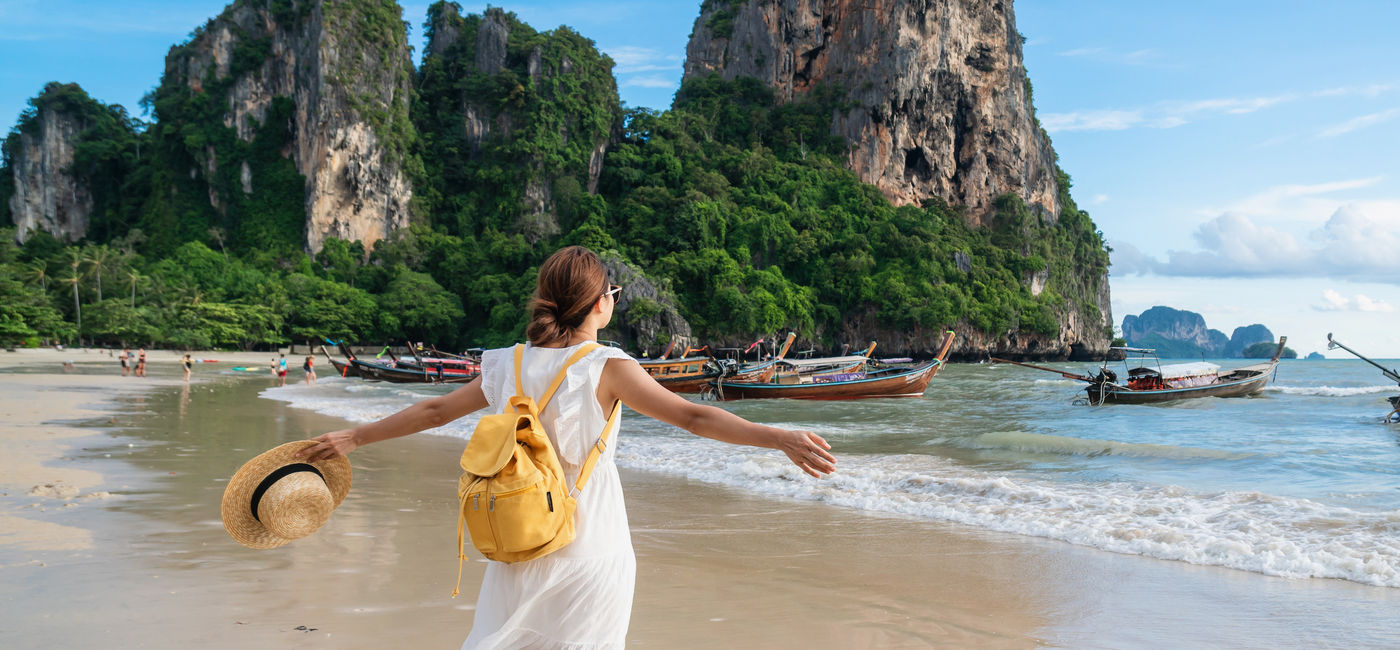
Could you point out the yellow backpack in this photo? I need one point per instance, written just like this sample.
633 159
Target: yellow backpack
512 494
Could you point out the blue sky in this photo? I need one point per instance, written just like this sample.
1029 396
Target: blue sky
1240 157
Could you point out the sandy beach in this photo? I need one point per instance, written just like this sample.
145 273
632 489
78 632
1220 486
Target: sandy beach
110 537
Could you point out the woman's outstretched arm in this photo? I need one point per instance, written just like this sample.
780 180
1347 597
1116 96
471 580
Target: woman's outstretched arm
625 380
427 414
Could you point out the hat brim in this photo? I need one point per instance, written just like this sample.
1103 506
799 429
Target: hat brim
236 509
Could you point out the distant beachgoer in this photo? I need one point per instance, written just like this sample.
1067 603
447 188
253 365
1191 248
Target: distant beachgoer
308 367
579 596
69 366
273 367
141 363
188 362
126 361
281 369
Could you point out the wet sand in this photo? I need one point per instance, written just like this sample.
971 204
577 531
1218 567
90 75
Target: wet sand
717 567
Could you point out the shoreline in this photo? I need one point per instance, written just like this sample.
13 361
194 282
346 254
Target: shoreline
716 565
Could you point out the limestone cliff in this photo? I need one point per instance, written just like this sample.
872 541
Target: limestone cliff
45 194
499 96
346 66
937 99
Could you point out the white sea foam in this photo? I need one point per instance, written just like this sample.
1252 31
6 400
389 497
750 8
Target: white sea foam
1251 531
1331 391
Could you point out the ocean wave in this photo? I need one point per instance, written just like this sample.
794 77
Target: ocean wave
1331 391
1250 531
1294 538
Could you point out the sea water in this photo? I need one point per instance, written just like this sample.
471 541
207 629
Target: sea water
1301 481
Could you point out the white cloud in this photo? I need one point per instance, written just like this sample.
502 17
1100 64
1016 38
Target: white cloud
631 59
1169 114
1370 90
1359 241
1106 55
653 81
1335 301
1359 123
1107 120
1365 303
1128 260
1099 199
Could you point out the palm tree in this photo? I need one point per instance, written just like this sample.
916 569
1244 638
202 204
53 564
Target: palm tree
217 234
100 257
77 307
75 262
39 270
133 276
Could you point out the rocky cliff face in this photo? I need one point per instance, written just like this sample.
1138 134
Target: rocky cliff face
542 103
45 195
1173 325
1246 336
347 67
937 99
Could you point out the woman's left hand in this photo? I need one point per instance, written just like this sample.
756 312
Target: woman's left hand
808 451
330 445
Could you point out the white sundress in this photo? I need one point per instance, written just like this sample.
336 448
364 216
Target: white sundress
580 596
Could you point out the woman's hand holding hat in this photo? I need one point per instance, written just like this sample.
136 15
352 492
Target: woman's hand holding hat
330 445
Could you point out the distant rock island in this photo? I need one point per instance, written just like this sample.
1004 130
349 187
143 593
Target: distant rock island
1180 334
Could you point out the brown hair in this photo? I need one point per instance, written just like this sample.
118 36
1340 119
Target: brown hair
569 284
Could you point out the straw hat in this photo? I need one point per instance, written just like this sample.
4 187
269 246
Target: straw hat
278 497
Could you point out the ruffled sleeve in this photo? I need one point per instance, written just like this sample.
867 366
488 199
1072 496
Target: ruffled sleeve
580 419
497 368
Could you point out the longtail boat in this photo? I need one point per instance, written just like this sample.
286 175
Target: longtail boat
732 370
837 381
392 371
1394 415
687 374
1151 382
342 368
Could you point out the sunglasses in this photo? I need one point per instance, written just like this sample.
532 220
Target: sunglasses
613 290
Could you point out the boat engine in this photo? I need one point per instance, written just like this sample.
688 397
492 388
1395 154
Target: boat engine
1106 376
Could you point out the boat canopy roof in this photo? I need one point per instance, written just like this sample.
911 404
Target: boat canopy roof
675 361
1196 369
823 361
1139 350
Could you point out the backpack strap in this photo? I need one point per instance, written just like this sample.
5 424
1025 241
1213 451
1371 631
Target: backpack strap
586 471
598 448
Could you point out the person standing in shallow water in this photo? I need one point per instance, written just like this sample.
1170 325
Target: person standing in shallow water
140 364
309 367
281 369
579 596
187 363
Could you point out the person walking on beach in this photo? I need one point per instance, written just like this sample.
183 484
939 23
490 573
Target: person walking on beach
308 367
581 594
125 358
272 365
140 363
188 362
281 369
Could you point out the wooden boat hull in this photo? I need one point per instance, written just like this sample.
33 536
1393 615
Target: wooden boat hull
405 376
1100 394
910 382
342 368
689 384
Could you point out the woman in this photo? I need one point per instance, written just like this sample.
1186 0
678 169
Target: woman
581 594
188 363
309 368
